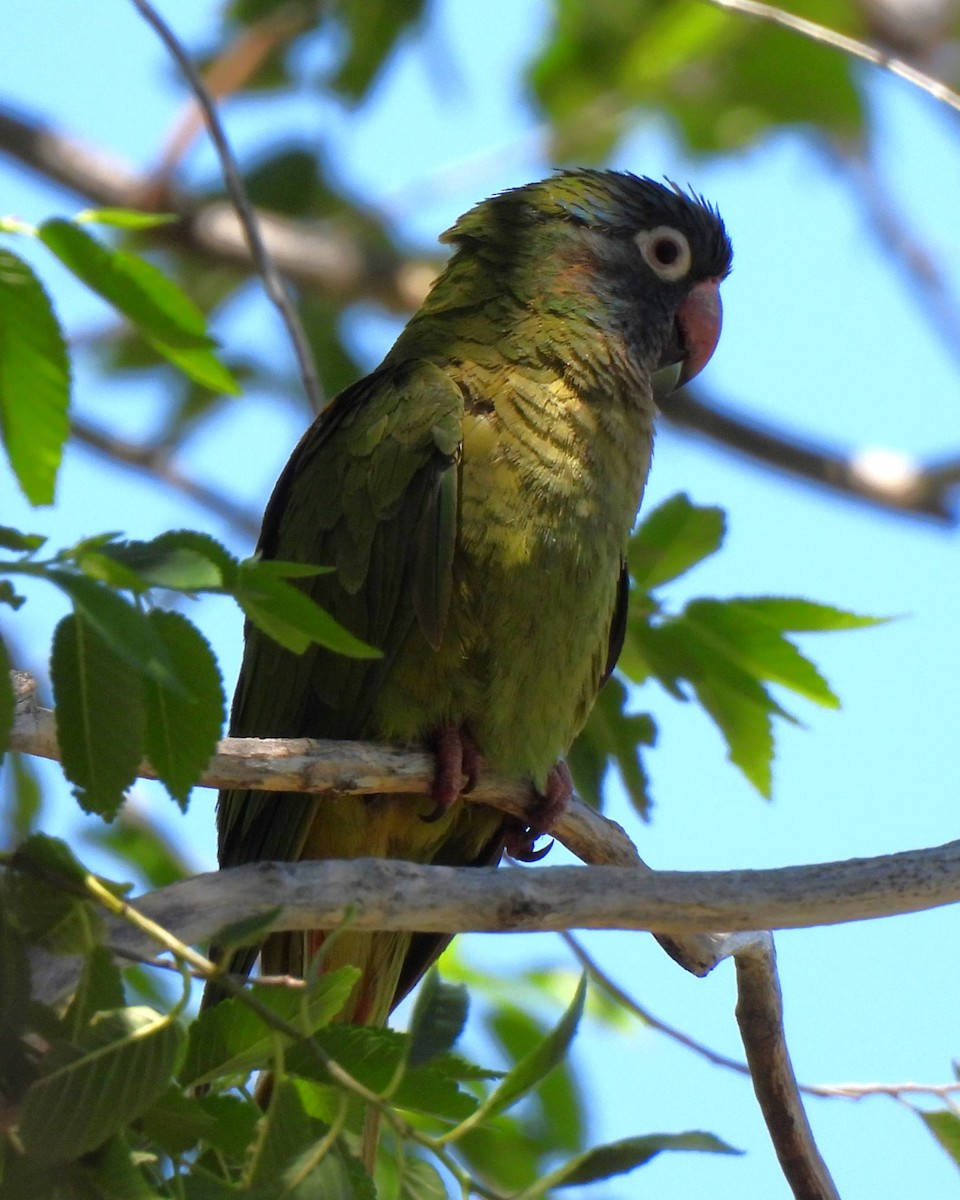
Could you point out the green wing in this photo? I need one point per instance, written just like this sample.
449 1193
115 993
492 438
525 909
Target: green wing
372 491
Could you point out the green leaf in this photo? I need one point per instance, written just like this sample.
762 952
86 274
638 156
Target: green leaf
616 1158
613 737
742 635
672 539
40 910
136 288
100 715
163 313
182 729
559 1112
235 1119
15 539
945 1127
15 1067
100 988
746 728
176 1123
290 617
286 1165
438 1019
181 560
121 625
374 1056
122 1067
125 218
539 1062
231 1039
792 615
419 1180
34 381
371 32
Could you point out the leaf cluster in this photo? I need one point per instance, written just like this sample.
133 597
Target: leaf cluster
110 1097
724 654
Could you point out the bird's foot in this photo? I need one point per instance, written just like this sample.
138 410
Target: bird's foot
519 839
458 768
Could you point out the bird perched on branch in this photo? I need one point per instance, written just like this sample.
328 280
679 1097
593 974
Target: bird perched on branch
474 495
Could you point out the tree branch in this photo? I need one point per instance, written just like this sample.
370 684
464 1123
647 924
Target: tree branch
883 479
383 894
326 256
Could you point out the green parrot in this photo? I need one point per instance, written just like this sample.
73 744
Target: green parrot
475 495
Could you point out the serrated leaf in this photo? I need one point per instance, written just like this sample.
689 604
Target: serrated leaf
136 288
231 1039
613 737
159 308
373 1056
672 539
290 617
182 729
945 1127
99 989
438 1019
100 715
34 380
742 635
125 218
616 1158
538 1063
118 623
746 728
118 1073
792 615
181 559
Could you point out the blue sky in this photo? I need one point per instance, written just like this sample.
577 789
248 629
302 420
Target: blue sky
822 335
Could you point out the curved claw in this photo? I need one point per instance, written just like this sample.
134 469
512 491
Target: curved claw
458 768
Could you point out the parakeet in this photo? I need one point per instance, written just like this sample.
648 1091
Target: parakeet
474 496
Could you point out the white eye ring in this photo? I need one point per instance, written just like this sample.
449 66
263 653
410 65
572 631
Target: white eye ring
666 252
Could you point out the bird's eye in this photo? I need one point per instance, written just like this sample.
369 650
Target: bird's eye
665 251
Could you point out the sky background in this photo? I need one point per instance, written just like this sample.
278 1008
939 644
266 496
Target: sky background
822 335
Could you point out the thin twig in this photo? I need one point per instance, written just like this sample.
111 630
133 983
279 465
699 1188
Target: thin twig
630 1004
887 480
263 264
841 41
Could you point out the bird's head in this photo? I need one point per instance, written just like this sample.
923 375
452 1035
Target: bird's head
628 255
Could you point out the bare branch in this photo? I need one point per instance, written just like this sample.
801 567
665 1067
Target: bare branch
883 479
158 462
622 893
325 256
263 264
